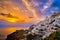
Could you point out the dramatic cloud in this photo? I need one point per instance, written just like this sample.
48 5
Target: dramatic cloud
23 13
27 11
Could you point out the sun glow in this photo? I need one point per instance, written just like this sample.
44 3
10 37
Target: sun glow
12 20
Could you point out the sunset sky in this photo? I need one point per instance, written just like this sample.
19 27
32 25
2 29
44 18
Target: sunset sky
23 13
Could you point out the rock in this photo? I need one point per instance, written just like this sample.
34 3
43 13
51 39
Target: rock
48 26
18 35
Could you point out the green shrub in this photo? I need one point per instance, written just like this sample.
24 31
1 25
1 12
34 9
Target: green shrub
54 36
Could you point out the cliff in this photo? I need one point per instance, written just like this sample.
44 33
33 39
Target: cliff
39 31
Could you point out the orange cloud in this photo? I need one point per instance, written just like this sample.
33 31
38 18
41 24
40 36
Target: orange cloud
18 11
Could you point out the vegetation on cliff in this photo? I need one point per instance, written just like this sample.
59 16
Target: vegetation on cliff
54 36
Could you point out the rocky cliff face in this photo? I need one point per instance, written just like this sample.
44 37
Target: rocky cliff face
48 26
